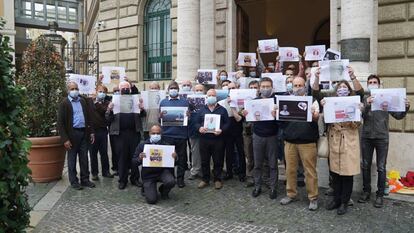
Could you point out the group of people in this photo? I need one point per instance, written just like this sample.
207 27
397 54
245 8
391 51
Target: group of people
247 148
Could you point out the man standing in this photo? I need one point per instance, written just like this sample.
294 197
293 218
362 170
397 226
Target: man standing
301 139
176 135
75 129
375 136
153 114
152 175
126 127
212 144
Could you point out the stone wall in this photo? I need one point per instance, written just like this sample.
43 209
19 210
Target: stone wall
396 52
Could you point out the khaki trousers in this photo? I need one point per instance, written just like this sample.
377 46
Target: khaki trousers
307 153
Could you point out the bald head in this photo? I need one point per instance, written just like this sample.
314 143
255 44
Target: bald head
155 129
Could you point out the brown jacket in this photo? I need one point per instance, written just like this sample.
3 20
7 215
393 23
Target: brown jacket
65 119
344 148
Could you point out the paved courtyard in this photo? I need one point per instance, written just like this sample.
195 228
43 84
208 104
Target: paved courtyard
232 209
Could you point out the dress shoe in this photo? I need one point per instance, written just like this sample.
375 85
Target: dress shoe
122 186
180 182
218 185
273 194
333 205
343 208
364 198
109 175
95 178
76 186
379 202
88 184
256 192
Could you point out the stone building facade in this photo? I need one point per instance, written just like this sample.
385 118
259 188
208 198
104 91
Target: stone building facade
377 35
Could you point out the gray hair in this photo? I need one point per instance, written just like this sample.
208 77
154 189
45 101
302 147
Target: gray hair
122 83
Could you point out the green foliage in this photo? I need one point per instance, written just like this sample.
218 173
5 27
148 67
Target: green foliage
43 75
14 208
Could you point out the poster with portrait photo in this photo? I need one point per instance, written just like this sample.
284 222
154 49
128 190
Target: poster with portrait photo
342 109
211 122
126 104
288 54
111 73
196 102
334 71
151 99
174 116
207 76
294 108
315 52
268 46
259 109
86 83
331 55
158 156
390 99
247 59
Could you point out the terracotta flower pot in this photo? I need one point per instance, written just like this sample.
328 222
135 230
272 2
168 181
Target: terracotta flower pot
46 159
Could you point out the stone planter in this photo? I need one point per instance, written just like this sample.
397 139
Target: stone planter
46 159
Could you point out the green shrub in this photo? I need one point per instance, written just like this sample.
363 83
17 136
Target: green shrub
14 173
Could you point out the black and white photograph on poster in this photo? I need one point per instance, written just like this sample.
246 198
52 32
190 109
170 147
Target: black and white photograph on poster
334 71
206 76
212 122
331 54
247 59
174 116
259 109
294 108
196 102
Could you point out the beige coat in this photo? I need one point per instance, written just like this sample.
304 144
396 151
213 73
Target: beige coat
344 148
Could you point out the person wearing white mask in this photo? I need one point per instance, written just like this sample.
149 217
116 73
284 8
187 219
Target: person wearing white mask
176 135
212 144
152 175
375 135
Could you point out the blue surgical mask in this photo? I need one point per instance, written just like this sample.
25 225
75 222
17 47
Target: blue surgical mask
116 93
223 77
155 138
186 88
343 91
211 100
289 87
173 93
199 93
372 87
101 95
74 94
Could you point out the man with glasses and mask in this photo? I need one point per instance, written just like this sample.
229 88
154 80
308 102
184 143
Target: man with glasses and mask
126 128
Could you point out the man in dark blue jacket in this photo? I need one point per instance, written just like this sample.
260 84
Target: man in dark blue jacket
212 144
152 175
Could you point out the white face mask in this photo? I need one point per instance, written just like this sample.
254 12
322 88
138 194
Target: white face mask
186 88
373 86
225 88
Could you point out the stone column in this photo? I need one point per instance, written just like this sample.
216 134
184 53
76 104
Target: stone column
207 35
188 39
359 35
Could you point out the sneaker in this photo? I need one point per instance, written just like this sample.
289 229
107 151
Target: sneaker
88 184
343 208
329 192
273 194
256 192
218 185
287 200
202 184
313 205
379 202
364 198
95 178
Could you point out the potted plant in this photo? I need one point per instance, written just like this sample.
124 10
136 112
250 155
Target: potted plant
43 75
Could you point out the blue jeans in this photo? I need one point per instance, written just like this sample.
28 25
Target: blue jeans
381 148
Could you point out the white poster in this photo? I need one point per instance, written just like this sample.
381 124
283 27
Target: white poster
238 96
247 59
126 104
158 156
342 109
294 108
174 116
112 73
268 46
331 54
334 71
152 98
212 122
315 52
86 83
279 81
288 54
391 99
259 109
207 76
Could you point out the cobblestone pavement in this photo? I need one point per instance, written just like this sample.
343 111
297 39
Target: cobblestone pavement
231 209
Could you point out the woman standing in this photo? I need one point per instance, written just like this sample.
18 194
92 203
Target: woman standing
344 155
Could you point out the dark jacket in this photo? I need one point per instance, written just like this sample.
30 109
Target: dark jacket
65 119
300 132
149 173
224 120
266 128
98 114
376 123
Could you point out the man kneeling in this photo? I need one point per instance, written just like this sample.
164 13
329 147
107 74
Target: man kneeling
152 175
